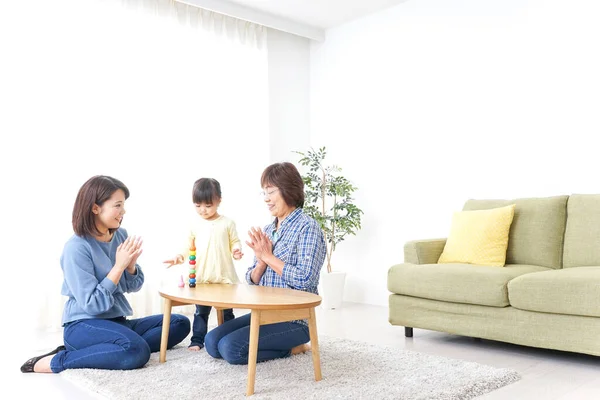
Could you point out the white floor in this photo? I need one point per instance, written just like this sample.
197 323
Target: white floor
545 374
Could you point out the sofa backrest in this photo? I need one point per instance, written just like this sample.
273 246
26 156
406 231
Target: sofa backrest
537 231
582 236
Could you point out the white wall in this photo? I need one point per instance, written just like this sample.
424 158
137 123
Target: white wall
138 101
432 102
289 91
80 100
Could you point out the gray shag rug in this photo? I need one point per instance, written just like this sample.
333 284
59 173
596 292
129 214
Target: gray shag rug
351 370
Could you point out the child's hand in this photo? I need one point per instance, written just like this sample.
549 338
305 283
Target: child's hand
237 254
174 261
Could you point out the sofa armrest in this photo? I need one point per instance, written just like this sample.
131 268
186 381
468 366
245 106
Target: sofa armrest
423 251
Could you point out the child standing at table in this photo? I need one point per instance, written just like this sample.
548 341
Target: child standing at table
217 242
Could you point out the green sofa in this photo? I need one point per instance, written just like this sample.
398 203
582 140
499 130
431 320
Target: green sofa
547 295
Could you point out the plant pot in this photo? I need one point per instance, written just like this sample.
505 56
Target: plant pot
332 289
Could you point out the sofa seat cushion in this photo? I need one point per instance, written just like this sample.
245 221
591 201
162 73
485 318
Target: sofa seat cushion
457 283
571 291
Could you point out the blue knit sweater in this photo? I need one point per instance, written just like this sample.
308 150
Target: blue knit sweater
86 262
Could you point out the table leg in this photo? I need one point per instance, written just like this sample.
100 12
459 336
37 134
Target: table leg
253 351
220 316
164 338
314 344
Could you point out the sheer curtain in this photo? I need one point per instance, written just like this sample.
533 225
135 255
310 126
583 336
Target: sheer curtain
221 25
153 92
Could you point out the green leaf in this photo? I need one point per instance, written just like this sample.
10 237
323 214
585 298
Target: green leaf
328 197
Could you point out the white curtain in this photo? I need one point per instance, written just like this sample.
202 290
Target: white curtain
156 94
232 28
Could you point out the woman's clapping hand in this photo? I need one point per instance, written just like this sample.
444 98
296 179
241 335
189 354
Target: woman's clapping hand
260 243
128 253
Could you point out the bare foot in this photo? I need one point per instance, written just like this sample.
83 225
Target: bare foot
43 365
303 348
194 348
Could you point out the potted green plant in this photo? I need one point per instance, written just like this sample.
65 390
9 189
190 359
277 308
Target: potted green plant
328 199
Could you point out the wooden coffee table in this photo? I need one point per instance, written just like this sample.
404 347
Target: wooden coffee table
268 305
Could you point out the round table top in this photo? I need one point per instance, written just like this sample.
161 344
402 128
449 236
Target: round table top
241 296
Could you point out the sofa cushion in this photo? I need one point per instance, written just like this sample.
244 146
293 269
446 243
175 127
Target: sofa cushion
537 231
479 237
458 283
572 291
582 234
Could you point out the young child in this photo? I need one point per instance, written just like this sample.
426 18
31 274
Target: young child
216 242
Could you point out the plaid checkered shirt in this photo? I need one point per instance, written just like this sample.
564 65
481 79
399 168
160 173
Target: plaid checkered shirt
300 244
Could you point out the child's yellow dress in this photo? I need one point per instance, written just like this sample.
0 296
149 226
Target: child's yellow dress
215 242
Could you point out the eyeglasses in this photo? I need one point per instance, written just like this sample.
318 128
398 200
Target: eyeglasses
267 195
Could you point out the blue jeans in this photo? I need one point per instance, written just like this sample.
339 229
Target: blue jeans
115 343
231 341
200 325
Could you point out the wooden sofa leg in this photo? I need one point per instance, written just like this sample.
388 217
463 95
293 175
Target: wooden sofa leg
408 331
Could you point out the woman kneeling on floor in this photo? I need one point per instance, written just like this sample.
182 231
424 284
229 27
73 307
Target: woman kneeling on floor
99 265
288 253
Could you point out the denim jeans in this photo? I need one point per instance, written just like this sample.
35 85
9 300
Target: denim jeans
115 343
200 325
231 340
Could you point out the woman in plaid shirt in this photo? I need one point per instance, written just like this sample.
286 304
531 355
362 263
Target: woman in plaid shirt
288 253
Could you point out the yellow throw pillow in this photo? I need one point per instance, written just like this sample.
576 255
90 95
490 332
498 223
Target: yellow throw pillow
479 237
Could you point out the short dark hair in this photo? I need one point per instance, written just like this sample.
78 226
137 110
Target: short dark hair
206 190
96 190
287 179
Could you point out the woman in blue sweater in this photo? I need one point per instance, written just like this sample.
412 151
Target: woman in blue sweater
99 265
